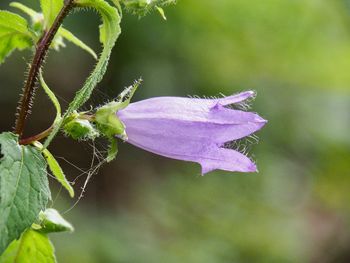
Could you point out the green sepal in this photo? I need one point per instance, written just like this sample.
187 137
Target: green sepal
127 94
112 150
108 123
106 119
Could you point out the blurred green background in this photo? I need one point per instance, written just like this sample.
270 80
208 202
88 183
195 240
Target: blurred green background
146 208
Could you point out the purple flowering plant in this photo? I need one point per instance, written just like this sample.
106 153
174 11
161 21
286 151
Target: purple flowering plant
192 129
198 130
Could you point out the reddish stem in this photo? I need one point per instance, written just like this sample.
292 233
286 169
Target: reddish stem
37 137
40 54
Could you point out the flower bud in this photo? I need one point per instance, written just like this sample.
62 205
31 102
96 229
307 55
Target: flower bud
79 128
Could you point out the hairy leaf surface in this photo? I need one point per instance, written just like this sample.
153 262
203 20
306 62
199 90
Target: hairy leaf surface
24 189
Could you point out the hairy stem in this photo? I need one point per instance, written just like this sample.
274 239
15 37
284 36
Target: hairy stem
42 48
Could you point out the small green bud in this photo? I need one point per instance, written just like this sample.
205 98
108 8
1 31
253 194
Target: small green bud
79 128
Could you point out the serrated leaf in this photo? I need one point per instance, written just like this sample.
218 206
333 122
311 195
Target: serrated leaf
24 188
76 41
31 247
51 221
111 30
50 9
14 34
56 169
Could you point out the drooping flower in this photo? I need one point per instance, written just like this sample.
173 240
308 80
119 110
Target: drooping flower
192 129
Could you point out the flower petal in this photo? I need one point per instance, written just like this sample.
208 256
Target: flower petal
185 108
227 160
236 98
192 129
210 155
218 133
191 118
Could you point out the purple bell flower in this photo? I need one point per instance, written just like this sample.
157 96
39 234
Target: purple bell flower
193 129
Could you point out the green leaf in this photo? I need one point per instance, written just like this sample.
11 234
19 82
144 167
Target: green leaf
76 41
111 31
62 33
31 247
14 34
36 17
24 188
25 9
55 169
51 221
50 9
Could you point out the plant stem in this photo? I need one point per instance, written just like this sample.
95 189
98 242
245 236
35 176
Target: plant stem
42 48
37 137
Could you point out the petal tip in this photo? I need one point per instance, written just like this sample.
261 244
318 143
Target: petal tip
251 93
252 168
260 121
205 169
